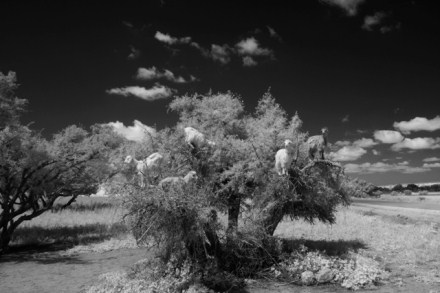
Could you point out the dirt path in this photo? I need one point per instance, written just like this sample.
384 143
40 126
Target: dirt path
52 272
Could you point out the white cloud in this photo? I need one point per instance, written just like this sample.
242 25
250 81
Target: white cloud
154 93
165 38
432 165
348 153
137 132
388 136
375 152
380 167
274 34
153 73
431 159
372 21
418 124
345 119
364 143
350 6
220 53
250 46
249 61
418 143
342 143
134 53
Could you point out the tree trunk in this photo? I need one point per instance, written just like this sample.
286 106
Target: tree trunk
233 212
5 238
275 213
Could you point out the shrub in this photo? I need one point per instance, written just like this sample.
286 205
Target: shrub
352 272
423 192
407 192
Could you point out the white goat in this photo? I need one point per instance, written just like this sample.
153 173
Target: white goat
283 158
317 143
153 161
192 175
196 139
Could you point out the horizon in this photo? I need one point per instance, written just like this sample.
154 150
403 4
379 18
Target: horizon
368 70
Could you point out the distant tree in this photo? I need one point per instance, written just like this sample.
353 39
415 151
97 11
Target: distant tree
398 188
434 188
35 172
237 179
412 187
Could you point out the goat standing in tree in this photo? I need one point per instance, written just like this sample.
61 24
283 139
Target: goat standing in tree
153 161
283 158
317 143
192 175
195 139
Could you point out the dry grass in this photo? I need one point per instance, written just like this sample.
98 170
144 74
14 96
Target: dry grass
415 197
408 249
88 220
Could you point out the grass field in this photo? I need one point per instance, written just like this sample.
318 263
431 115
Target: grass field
406 247
88 220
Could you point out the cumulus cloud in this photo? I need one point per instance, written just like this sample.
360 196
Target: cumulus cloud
418 143
377 22
418 124
364 143
342 143
155 93
274 34
348 153
138 132
165 38
432 165
381 167
431 159
250 46
375 152
219 53
249 61
345 119
371 21
388 136
134 53
350 6
153 73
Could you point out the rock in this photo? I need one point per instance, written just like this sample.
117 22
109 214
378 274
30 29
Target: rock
324 276
307 278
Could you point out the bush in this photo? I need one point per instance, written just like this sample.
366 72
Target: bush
423 192
312 267
376 193
407 192
394 193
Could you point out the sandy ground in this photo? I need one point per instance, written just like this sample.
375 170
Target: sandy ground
51 271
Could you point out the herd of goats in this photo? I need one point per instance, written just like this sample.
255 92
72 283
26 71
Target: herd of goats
195 139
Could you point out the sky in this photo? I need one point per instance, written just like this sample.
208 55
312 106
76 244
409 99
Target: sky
368 70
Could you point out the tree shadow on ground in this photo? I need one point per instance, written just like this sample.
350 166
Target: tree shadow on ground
41 244
330 247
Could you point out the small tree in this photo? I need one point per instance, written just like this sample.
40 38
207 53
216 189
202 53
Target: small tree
236 179
35 172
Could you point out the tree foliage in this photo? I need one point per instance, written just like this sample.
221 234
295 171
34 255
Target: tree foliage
231 213
35 172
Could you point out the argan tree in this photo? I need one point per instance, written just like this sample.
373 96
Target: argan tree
232 212
35 172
